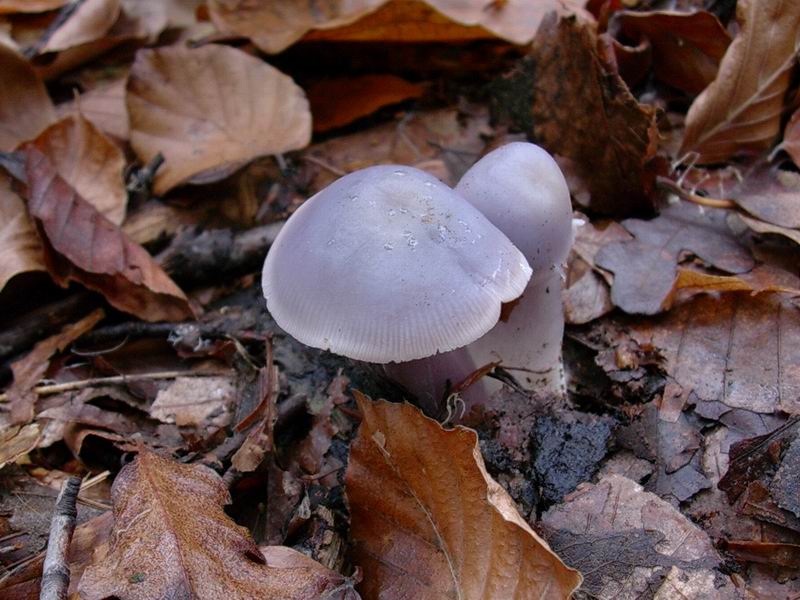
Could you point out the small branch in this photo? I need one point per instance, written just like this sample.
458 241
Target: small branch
70 386
55 573
669 185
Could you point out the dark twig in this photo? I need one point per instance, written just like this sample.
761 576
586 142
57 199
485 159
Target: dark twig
140 181
55 573
62 17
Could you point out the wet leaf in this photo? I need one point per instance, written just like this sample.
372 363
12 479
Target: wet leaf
25 107
20 249
687 47
645 269
337 102
427 520
31 368
622 537
584 112
88 162
740 112
82 245
189 105
90 21
175 512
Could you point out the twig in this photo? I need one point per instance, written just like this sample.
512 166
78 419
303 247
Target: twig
668 184
69 386
55 573
62 17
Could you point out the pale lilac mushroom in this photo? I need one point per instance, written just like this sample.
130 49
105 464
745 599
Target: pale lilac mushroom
521 190
389 265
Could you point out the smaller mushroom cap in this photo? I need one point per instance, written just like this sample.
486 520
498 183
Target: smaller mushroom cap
388 264
520 189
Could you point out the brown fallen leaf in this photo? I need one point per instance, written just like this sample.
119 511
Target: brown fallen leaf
687 47
32 367
730 351
210 110
760 226
175 512
20 249
104 106
427 521
645 268
195 402
791 137
15 441
29 6
740 112
583 111
623 538
90 21
88 162
771 195
25 107
82 245
337 102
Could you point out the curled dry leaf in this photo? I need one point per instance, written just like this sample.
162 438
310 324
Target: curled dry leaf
82 245
90 21
25 107
20 249
175 512
88 162
274 25
687 47
337 102
210 110
428 521
741 110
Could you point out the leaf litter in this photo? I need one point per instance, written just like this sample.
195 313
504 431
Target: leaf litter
175 152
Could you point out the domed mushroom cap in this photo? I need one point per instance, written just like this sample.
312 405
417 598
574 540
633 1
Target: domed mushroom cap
388 264
521 190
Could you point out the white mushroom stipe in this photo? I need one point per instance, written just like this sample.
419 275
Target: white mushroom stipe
521 190
389 264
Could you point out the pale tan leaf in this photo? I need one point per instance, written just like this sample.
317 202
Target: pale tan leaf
20 249
104 106
89 162
428 522
172 539
90 22
16 441
193 401
29 6
740 112
25 107
210 110
274 25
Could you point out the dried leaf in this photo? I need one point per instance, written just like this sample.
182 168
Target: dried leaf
174 512
88 162
20 249
337 102
15 441
645 268
731 350
791 137
760 226
623 538
741 110
195 402
105 107
584 112
428 521
25 107
29 6
210 110
90 22
30 369
82 245
771 195
687 47
274 25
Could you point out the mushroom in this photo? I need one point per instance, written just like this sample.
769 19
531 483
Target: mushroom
521 190
389 265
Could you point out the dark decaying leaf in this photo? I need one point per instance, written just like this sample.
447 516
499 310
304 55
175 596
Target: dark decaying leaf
174 512
428 521
82 245
583 111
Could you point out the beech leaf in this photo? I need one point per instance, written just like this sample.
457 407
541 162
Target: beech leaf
90 21
25 107
740 112
210 110
20 249
428 521
172 539
82 245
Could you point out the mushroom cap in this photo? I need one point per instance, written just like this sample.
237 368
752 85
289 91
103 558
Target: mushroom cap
521 190
388 264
